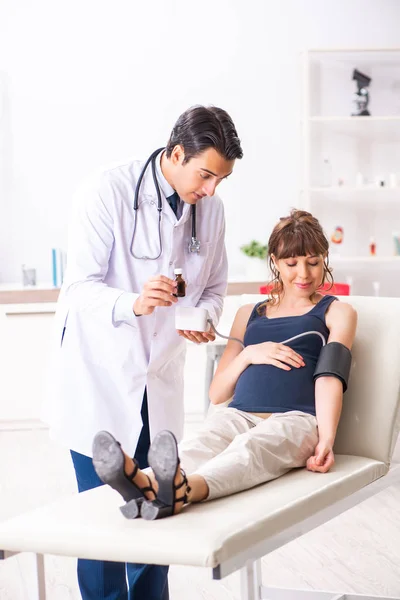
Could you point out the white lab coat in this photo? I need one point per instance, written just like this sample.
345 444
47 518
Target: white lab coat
101 368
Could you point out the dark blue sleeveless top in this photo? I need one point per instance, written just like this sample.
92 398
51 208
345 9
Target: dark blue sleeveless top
266 388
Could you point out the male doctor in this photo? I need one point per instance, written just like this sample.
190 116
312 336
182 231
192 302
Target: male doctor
119 359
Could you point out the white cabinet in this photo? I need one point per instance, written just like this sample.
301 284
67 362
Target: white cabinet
24 357
351 176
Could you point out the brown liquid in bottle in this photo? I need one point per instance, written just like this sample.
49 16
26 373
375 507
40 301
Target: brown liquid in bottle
181 284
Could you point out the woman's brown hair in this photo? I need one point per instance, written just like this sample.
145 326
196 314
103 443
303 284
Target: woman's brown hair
299 234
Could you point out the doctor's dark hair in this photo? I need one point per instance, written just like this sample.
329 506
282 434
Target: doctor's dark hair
203 127
299 234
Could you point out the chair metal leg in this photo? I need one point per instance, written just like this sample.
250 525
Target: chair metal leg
41 585
208 379
40 578
214 353
250 581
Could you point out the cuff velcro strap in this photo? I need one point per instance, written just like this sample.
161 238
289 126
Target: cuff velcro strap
334 361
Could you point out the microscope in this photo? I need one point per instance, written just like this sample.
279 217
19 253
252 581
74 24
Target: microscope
361 97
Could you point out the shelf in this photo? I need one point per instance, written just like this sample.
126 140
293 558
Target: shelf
13 287
34 308
348 56
348 119
345 189
357 194
335 259
28 295
376 129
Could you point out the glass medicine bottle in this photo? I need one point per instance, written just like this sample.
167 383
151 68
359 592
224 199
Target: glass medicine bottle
181 284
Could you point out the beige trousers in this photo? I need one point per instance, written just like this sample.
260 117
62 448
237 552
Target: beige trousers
235 450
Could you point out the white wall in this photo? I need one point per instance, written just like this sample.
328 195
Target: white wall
85 83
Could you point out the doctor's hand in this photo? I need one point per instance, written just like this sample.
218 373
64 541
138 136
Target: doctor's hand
157 291
198 337
323 458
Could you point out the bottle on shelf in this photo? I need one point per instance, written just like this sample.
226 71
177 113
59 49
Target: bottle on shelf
396 240
393 180
376 285
336 240
372 246
349 281
326 175
359 179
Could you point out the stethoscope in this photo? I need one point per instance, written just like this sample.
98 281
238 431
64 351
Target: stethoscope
194 244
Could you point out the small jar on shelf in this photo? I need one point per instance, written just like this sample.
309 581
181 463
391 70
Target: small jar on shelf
326 173
372 247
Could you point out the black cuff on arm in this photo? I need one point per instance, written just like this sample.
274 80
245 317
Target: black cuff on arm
334 361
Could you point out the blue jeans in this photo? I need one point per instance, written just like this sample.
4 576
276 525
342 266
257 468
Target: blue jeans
103 580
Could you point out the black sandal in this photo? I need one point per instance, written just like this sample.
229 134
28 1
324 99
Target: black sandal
164 460
109 464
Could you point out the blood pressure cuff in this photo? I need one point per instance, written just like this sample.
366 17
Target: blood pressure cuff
334 361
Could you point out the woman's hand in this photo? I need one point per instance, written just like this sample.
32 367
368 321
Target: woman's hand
272 353
323 458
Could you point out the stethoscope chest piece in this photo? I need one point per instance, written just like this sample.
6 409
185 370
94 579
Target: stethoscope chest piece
194 246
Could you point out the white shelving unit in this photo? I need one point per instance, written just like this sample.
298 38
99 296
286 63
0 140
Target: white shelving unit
362 152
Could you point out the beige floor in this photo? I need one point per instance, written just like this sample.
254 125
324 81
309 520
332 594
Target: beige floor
358 552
